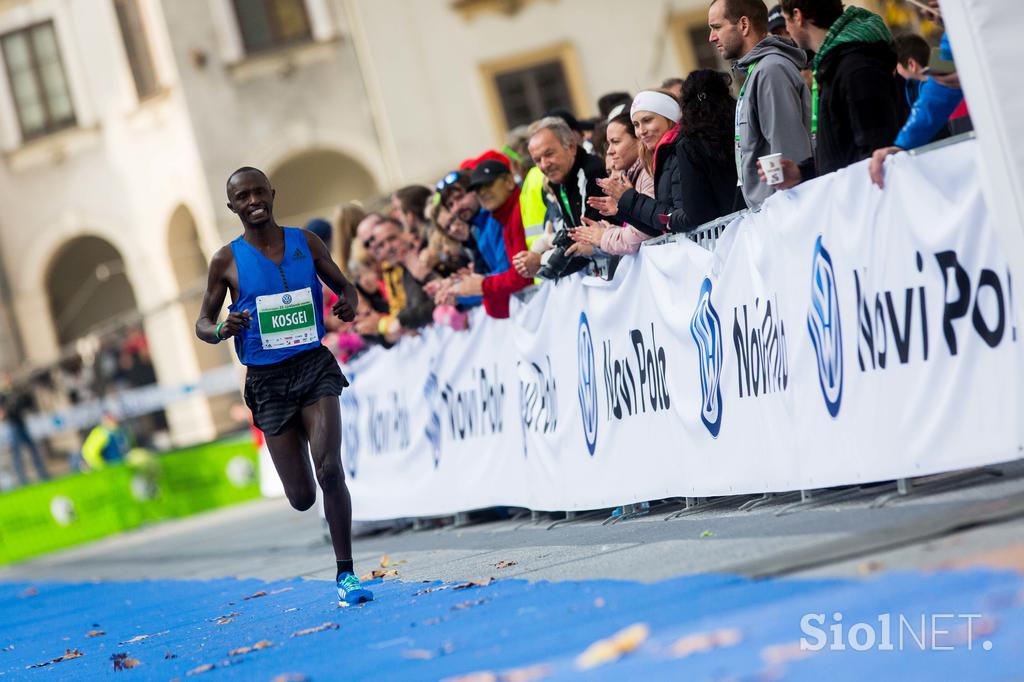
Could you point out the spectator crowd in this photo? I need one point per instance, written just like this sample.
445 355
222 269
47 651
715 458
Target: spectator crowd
818 84
821 85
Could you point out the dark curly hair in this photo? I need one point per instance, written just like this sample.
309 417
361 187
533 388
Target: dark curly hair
709 111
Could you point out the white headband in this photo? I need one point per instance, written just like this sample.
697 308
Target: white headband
615 112
658 103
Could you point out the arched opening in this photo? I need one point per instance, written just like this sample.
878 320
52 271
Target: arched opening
315 182
91 299
190 269
88 287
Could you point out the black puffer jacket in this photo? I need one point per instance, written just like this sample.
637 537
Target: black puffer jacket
709 186
640 210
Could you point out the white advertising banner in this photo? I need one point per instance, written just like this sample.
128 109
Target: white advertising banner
841 335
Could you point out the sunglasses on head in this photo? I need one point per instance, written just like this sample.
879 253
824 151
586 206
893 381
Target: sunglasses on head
447 181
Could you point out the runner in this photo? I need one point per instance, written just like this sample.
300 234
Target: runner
292 382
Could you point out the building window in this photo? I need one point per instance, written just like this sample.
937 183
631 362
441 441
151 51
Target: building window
690 33
526 94
37 80
704 51
269 24
136 46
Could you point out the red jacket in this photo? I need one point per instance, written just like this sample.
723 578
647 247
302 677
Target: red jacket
498 288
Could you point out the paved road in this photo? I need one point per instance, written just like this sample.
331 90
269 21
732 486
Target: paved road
268 540
172 598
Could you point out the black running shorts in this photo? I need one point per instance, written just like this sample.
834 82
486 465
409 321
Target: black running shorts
276 393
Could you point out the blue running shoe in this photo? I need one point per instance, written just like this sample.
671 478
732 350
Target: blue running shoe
351 591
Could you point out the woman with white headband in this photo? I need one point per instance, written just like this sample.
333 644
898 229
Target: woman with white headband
655 115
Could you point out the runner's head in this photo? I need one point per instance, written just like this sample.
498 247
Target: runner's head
251 197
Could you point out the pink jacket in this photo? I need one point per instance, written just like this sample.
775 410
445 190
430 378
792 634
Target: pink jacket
619 242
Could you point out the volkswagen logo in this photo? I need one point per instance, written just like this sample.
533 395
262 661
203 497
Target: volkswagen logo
825 329
706 329
587 382
286 299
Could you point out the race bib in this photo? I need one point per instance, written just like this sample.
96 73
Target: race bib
287 319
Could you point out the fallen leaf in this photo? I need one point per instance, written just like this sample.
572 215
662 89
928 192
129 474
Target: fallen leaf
468 604
290 610
705 641
707 534
386 562
68 655
868 567
94 633
224 621
283 589
527 674
454 586
615 647
318 628
233 614
505 564
201 669
124 662
479 676
28 592
136 638
255 595
262 644
168 656
784 653
9 647
378 573
418 654
291 677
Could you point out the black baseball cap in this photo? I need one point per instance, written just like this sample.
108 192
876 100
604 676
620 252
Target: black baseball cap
566 116
775 19
487 172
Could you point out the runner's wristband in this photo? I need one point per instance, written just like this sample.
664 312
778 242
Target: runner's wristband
217 333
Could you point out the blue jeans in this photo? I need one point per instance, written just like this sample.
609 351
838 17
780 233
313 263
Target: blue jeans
19 438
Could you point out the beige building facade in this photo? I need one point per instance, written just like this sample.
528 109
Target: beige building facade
121 119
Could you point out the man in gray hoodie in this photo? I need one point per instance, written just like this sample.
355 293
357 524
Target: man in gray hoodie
773 111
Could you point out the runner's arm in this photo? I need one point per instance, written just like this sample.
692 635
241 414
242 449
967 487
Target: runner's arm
213 301
331 275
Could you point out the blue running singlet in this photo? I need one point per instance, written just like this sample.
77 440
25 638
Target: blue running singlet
285 302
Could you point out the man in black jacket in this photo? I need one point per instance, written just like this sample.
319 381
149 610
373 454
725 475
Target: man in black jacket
572 176
859 106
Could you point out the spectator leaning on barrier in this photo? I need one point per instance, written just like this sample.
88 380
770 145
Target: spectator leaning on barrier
939 98
624 159
497 192
859 106
912 55
773 112
707 169
655 115
409 205
346 220
409 306
470 224
572 176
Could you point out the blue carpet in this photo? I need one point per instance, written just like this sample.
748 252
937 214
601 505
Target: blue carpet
410 633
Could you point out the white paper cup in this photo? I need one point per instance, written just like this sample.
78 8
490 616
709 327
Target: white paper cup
772 167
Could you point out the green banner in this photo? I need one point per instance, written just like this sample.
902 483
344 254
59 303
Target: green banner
68 511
